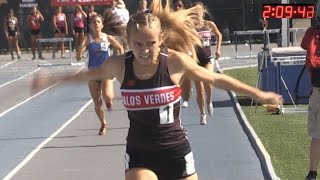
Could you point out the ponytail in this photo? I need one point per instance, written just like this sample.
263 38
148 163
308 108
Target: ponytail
178 26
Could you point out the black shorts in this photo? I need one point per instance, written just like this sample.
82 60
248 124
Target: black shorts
35 32
62 30
164 166
78 30
12 33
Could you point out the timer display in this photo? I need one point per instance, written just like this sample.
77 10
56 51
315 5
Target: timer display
287 10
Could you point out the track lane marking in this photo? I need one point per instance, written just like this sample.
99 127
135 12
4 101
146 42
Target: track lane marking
37 94
7 64
17 79
41 145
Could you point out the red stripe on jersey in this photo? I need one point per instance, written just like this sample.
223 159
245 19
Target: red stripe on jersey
205 34
136 99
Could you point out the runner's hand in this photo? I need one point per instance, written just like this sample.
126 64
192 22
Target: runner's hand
218 55
270 98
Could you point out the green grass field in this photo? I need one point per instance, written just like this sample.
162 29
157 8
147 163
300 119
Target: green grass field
284 136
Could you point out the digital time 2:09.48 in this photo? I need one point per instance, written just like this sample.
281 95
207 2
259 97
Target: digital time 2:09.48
287 10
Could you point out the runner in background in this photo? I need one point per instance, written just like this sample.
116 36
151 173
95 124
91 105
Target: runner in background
205 56
60 29
98 44
34 19
11 28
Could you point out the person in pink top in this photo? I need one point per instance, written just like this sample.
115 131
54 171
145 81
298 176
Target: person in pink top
60 29
34 19
79 18
90 13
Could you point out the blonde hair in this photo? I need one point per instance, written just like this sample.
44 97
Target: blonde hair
112 24
143 19
176 28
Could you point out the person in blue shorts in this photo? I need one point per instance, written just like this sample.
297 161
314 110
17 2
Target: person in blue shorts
98 44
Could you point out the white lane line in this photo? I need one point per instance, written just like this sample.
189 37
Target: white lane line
9 82
224 58
29 98
7 64
240 67
40 146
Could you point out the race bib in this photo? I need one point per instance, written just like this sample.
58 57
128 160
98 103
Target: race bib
206 42
104 46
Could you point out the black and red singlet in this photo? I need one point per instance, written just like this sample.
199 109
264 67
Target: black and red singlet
153 107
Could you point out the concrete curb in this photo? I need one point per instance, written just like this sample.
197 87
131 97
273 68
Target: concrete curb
262 153
255 141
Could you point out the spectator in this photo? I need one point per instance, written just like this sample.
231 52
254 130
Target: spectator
11 27
78 21
34 20
60 29
90 13
310 42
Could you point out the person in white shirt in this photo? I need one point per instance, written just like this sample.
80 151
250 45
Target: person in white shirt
122 14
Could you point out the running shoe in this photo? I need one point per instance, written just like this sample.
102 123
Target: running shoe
203 119
185 104
312 176
210 108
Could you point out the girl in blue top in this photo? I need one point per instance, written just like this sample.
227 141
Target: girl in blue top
98 44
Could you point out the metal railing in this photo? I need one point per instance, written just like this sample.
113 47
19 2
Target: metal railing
249 34
56 40
293 34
